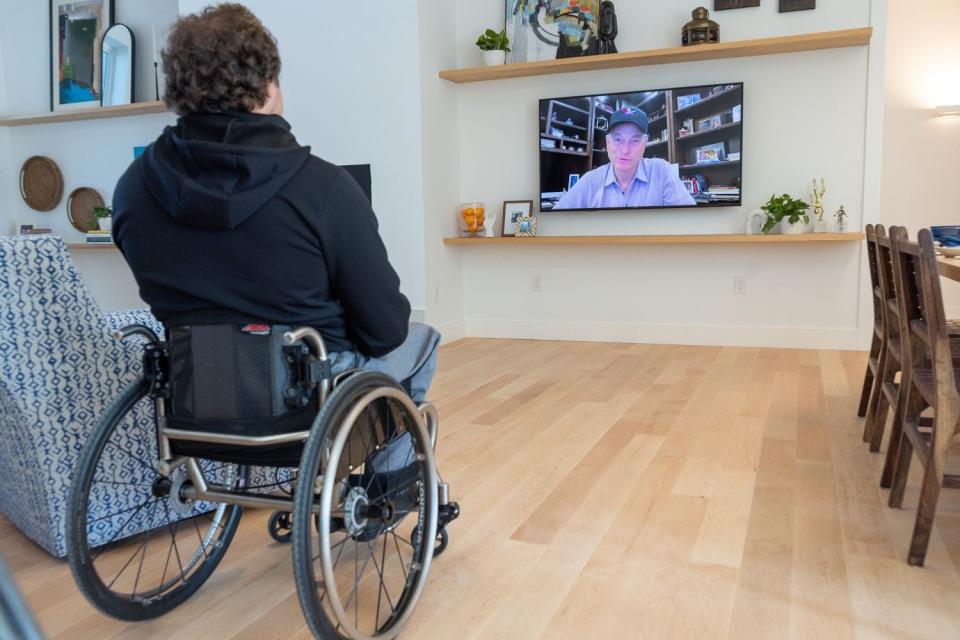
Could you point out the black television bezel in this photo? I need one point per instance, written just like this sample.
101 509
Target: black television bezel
706 205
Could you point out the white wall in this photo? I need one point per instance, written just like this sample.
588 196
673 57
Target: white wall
920 161
142 16
441 176
805 115
351 91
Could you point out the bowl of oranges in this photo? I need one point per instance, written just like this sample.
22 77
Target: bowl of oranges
473 219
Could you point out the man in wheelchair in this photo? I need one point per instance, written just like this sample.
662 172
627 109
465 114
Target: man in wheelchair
288 346
227 219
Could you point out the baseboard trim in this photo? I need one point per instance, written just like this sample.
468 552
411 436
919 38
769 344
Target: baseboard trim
713 335
452 331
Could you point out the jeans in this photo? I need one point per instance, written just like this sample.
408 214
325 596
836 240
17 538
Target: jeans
412 364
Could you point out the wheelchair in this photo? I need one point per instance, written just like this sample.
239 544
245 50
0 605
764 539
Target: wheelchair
227 417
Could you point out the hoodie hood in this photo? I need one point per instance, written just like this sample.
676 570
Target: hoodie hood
213 171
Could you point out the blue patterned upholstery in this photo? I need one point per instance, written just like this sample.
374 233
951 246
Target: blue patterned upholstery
59 370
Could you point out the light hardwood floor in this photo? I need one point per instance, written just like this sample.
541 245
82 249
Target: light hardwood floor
618 491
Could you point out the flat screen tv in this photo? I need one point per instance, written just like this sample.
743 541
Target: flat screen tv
642 149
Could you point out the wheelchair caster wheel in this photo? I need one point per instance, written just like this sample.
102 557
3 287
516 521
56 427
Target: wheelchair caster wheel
440 544
442 539
281 526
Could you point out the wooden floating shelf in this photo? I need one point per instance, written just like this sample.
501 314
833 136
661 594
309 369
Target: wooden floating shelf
92 246
720 50
740 238
136 109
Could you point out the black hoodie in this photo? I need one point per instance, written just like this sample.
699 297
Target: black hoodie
226 218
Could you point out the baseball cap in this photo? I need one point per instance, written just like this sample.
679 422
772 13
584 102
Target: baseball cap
632 115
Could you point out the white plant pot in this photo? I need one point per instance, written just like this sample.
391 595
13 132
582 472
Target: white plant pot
494 58
105 224
798 227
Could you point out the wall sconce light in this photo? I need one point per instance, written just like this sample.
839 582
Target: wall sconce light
951 111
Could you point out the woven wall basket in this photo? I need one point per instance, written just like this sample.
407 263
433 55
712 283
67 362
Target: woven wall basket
80 205
41 183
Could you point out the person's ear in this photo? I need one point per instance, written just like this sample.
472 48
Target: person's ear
273 103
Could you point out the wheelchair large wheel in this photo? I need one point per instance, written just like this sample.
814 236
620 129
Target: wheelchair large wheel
136 548
358 576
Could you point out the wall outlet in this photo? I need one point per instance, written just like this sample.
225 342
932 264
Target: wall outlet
436 293
740 285
535 284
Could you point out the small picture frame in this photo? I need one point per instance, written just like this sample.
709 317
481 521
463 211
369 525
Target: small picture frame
723 5
572 179
24 228
513 209
687 100
712 122
797 5
711 153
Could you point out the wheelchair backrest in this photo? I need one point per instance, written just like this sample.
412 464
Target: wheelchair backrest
234 372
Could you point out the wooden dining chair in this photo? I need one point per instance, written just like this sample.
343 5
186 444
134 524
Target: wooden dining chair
885 391
929 381
878 343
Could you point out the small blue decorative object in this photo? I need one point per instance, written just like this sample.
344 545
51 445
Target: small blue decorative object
945 231
526 226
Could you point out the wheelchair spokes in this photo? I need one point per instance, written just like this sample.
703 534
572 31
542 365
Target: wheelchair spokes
374 464
138 547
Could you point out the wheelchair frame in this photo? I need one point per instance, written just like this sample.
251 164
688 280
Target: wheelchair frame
196 487
213 492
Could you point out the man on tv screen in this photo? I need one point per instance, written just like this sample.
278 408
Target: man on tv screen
629 180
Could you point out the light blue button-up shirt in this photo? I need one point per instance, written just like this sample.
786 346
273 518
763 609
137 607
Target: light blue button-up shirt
656 184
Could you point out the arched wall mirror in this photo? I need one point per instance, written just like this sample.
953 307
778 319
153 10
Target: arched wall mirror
117 66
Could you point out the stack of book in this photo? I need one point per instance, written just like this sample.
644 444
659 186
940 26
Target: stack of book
99 237
723 193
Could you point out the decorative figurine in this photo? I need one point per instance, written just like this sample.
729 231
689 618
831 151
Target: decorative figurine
841 217
700 30
819 226
607 28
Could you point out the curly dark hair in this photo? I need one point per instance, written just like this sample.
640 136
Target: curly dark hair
221 59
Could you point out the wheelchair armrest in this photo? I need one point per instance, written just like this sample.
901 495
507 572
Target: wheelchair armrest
125 317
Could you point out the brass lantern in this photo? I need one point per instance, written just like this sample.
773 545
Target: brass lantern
700 30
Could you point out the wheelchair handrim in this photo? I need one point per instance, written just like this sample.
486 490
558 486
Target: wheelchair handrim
429 494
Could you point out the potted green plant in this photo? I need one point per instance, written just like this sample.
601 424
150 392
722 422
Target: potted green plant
789 213
494 47
104 217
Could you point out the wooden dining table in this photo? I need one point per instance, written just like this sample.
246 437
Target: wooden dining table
949 267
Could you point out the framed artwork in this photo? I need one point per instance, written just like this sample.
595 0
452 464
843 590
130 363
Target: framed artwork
572 179
76 36
723 5
797 5
513 209
551 29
